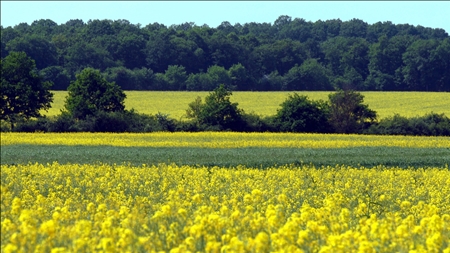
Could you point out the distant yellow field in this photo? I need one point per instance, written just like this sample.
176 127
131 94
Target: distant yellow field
224 140
386 104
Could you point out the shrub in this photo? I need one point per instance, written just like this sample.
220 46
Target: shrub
40 124
299 114
429 125
217 112
62 123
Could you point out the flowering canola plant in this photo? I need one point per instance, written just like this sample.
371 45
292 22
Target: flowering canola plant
170 208
224 140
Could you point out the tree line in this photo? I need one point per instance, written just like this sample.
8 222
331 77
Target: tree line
94 104
286 55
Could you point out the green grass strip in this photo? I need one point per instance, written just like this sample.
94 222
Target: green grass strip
250 156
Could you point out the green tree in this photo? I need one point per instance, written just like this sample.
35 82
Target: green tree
385 58
131 51
419 70
354 28
176 77
57 75
217 111
440 58
219 75
299 114
309 76
239 77
91 93
348 114
24 93
40 49
86 55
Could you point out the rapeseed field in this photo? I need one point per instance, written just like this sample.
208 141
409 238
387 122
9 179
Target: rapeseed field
224 140
169 208
386 104
104 206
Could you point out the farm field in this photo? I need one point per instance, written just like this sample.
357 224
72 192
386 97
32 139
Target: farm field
170 208
224 192
408 104
224 149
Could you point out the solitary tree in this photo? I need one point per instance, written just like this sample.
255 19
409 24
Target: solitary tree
299 114
348 114
23 91
91 93
217 110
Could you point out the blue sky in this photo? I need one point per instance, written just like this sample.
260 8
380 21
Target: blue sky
433 14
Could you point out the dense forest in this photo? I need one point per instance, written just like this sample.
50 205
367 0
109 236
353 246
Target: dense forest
290 54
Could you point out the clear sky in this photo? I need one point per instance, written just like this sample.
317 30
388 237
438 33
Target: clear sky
434 14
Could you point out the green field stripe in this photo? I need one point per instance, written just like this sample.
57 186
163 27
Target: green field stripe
252 156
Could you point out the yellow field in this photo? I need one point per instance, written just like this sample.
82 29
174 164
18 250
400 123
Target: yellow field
166 208
386 104
224 140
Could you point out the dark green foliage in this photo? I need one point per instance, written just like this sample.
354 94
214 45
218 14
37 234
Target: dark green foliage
347 113
175 77
257 56
137 79
39 48
299 114
64 122
215 76
91 93
256 123
101 121
23 91
131 121
57 75
218 112
308 76
429 125
40 124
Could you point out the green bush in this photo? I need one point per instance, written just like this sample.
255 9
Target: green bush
217 112
62 123
299 114
40 124
256 123
429 125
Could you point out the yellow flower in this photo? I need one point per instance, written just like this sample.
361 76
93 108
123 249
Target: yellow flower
16 206
434 242
236 244
262 241
107 244
59 250
10 248
48 227
197 198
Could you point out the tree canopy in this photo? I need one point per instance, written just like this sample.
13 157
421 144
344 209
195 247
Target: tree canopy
288 54
91 93
348 114
299 114
24 93
217 110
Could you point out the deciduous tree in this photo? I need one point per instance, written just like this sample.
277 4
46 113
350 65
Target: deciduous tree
91 93
23 91
348 114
